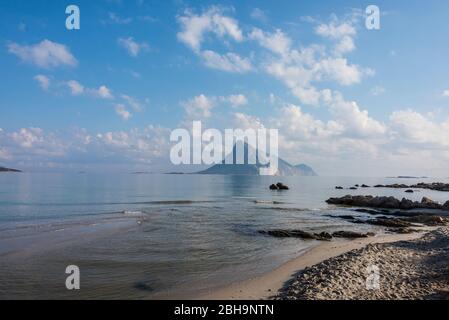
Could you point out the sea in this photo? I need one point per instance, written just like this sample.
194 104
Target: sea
153 236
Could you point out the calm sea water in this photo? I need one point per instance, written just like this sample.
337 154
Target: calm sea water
144 236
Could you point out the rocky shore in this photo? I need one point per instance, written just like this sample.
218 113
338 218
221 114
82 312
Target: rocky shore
416 269
388 203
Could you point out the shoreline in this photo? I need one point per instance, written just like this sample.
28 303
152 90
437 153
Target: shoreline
271 283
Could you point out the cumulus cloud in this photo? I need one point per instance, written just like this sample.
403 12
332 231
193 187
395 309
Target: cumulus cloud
237 100
46 54
199 107
415 128
194 27
43 81
134 48
229 62
122 112
75 87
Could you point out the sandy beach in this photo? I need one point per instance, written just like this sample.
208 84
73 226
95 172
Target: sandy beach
336 270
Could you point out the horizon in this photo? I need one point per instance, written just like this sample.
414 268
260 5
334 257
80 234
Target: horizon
106 97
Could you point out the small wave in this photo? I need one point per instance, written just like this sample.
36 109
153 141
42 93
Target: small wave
285 209
267 202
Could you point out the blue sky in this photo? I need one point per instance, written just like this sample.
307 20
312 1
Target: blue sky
346 100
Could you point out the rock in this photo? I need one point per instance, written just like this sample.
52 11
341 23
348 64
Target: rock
365 186
391 223
282 186
274 187
350 234
339 188
402 230
353 188
406 204
429 220
372 212
446 205
324 236
409 191
379 186
356 186
386 203
289 234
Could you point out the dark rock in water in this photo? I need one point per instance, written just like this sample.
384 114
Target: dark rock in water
386 203
365 186
274 187
379 186
437 186
409 191
406 204
402 230
324 236
353 188
289 234
282 186
339 188
356 186
429 220
390 223
351 234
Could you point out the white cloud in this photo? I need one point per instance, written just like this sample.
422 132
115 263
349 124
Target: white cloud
244 121
335 30
46 54
122 112
75 87
338 69
199 106
43 81
237 100
27 137
446 93
194 27
356 122
102 92
229 62
133 102
276 42
133 47
413 127
115 19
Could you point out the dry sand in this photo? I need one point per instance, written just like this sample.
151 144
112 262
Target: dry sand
268 285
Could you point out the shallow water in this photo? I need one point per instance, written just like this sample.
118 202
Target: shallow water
135 236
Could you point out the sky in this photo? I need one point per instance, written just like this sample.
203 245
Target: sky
346 100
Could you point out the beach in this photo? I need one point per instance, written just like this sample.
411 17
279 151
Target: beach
270 284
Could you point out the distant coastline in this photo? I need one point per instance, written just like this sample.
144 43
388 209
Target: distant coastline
4 169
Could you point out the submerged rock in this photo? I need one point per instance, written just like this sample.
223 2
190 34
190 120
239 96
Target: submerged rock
351 234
